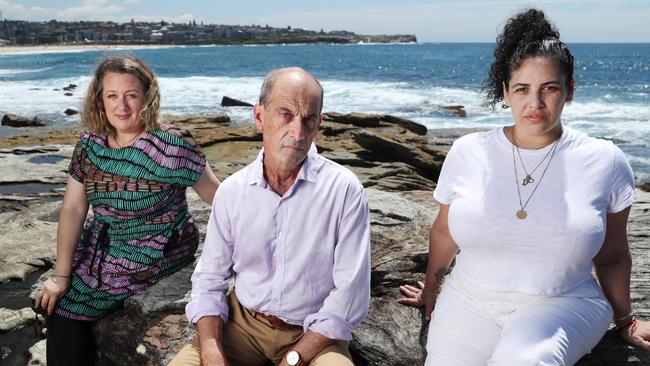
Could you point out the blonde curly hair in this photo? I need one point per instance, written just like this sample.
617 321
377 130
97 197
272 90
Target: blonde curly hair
93 115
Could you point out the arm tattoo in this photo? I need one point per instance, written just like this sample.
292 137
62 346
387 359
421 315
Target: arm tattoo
440 275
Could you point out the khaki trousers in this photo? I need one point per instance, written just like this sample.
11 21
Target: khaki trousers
250 340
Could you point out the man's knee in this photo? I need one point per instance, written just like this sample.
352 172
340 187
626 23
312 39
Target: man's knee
334 355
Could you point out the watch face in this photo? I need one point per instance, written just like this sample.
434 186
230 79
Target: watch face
293 358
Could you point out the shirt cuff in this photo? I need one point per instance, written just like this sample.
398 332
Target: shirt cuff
206 306
329 325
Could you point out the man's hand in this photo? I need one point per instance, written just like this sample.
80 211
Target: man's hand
309 346
420 297
637 333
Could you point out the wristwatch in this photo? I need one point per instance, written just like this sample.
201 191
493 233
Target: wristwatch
293 359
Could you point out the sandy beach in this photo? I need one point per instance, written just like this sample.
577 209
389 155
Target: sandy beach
76 48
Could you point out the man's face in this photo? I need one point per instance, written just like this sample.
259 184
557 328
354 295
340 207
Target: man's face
290 121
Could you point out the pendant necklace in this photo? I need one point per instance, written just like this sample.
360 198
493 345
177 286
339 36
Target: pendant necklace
521 213
528 178
128 143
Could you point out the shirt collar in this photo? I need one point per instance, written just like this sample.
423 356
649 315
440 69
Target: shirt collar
308 171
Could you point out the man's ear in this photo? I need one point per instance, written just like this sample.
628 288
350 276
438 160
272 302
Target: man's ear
257 115
571 86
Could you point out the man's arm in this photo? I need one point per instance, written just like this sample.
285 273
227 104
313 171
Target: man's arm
209 329
208 309
347 303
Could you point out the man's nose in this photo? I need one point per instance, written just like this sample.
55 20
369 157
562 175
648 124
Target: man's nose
298 127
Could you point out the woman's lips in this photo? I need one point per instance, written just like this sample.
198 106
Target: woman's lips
123 117
537 117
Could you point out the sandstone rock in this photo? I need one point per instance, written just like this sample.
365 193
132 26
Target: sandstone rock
37 354
68 94
70 87
13 319
429 165
231 102
14 120
70 112
208 118
374 120
457 110
645 186
39 121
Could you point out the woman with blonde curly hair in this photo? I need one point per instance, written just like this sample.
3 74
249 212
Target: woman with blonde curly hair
134 172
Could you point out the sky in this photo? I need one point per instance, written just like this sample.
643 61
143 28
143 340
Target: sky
429 20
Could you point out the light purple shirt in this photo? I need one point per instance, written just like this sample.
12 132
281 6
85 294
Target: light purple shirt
303 257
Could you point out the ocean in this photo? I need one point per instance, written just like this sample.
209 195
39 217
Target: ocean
612 98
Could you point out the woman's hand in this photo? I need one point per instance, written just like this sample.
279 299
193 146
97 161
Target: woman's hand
50 293
420 297
637 333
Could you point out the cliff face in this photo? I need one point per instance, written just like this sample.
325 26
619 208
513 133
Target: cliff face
394 160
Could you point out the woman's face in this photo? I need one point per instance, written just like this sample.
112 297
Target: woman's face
536 94
123 96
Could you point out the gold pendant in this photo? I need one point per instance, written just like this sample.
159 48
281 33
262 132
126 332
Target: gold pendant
521 214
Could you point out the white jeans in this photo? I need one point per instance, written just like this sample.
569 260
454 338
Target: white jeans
475 327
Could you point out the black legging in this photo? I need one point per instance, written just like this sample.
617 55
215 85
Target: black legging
70 342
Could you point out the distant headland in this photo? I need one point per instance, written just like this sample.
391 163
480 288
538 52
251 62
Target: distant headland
53 32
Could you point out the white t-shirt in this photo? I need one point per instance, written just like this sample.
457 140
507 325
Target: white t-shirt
551 251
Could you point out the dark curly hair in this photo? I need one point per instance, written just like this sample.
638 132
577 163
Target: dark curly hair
527 34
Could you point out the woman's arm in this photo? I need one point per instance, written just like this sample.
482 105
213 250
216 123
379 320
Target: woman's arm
613 265
207 185
442 250
71 218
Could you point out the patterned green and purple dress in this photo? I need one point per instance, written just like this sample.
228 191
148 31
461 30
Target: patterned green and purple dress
141 230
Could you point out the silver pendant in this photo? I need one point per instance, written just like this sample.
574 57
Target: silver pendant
521 214
527 180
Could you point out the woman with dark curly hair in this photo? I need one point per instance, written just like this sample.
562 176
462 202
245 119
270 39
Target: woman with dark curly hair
134 172
533 208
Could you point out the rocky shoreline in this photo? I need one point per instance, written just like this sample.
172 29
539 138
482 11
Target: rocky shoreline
397 160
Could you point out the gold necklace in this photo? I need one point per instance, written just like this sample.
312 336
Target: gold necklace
128 143
521 213
529 176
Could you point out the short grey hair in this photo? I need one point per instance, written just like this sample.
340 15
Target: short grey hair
269 81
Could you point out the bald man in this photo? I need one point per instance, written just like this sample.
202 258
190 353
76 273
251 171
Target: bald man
292 231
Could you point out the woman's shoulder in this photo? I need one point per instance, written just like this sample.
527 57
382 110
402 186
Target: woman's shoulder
174 135
476 139
578 140
87 136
